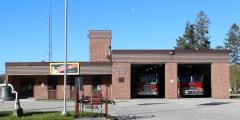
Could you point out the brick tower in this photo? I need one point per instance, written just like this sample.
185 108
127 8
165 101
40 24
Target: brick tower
100 45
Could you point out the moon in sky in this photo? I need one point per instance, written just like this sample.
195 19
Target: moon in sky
133 10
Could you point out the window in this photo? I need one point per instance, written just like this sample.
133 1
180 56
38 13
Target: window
72 83
121 79
52 82
96 82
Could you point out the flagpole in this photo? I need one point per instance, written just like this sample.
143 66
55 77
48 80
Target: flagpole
64 112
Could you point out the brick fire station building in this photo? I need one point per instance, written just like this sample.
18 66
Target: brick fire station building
123 69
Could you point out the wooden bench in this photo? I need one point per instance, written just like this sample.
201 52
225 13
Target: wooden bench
96 99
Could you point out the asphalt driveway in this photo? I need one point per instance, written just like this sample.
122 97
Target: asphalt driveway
149 109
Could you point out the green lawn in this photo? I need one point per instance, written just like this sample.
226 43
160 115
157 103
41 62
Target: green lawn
44 116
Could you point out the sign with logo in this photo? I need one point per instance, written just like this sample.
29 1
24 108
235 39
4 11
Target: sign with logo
58 69
120 70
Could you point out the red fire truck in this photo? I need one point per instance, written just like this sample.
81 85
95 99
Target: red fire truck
191 85
147 85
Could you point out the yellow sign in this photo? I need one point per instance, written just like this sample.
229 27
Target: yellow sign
58 68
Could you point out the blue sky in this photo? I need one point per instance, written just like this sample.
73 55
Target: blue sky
135 24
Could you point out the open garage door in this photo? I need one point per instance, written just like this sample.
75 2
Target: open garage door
147 80
194 80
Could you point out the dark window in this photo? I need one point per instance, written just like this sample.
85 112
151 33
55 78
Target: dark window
72 83
52 82
26 87
96 82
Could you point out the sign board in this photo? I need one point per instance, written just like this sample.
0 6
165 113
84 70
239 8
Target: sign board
58 69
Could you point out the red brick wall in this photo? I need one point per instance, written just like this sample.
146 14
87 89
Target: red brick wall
220 80
87 85
100 41
59 89
121 90
104 88
40 87
106 80
171 80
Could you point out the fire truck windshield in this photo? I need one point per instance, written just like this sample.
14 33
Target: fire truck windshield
148 79
197 78
191 78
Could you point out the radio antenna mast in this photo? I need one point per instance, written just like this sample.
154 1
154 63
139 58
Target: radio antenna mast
50 51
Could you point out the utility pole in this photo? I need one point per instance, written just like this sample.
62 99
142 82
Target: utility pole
64 112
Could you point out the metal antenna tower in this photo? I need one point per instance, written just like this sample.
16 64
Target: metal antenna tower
50 50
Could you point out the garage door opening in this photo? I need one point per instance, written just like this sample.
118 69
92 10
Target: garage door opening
194 80
147 81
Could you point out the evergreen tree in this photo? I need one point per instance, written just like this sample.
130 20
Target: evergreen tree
202 37
232 42
187 41
196 35
181 43
189 36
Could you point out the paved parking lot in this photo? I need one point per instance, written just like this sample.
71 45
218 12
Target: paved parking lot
180 109
151 109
